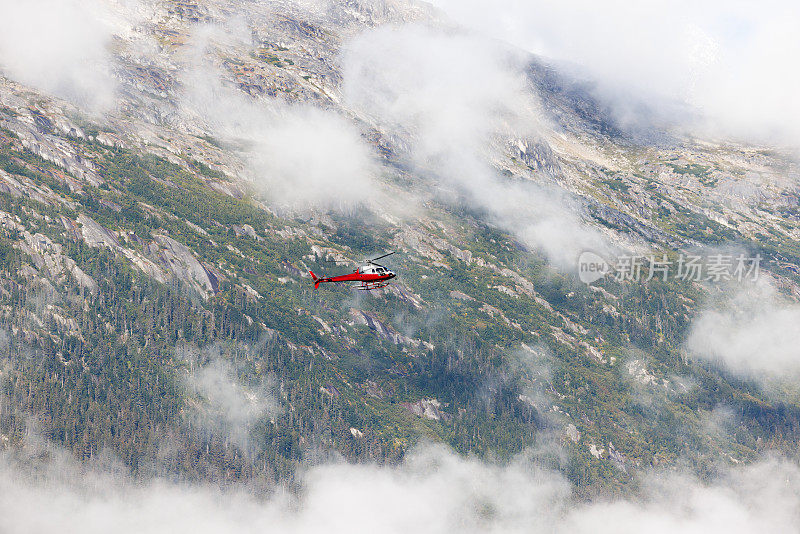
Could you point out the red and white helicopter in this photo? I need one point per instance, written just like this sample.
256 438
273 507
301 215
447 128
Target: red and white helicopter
371 275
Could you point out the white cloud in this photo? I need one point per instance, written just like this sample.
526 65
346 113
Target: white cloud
433 491
758 498
223 405
753 333
310 157
446 91
452 102
732 61
301 157
60 47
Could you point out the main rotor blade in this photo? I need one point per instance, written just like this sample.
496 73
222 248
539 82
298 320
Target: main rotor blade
379 257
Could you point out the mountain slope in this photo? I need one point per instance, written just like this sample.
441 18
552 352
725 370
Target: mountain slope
155 297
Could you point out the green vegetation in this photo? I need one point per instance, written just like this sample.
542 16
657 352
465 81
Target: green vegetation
211 140
617 184
207 171
694 169
272 59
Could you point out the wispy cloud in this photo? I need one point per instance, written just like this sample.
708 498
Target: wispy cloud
757 498
729 62
433 491
752 331
62 48
309 157
224 403
453 103
300 156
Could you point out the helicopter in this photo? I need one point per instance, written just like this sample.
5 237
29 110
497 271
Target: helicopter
369 276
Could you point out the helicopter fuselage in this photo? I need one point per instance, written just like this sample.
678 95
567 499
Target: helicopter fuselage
368 276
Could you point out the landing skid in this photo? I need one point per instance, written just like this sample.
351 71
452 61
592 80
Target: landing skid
367 286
